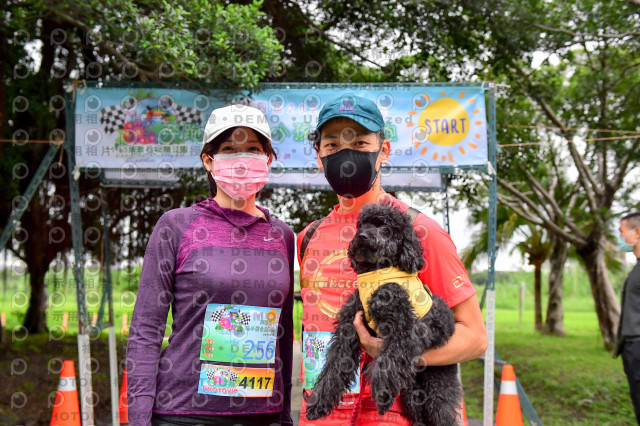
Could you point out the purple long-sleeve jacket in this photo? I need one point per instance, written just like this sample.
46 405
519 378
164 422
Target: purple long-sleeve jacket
196 256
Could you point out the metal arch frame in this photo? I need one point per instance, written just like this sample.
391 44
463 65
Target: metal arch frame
489 169
84 351
492 167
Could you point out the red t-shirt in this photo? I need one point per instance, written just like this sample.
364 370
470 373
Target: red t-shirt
327 279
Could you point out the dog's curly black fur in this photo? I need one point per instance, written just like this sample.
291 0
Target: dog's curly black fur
431 395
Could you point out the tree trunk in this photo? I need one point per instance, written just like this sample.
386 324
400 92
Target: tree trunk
538 295
3 86
555 314
35 256
5 282
605 300
35 320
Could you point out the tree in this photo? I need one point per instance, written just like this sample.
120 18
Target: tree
534 244
207 43
532 167
554 322
537 247
583 102
598 59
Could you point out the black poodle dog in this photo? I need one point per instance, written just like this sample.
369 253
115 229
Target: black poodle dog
386 254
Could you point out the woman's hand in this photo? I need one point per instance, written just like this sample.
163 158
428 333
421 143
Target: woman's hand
373 345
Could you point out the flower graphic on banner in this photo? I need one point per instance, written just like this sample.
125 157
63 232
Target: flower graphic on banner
147 122
144 119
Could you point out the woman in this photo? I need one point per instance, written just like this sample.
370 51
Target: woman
225 266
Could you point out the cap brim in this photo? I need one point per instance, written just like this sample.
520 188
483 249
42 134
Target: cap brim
364 122
223 129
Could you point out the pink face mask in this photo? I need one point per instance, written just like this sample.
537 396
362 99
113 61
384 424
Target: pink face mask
241 174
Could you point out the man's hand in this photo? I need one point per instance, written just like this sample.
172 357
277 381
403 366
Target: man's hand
373 345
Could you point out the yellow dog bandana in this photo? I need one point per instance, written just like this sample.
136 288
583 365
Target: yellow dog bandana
419 295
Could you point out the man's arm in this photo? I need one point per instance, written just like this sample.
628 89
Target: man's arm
469 341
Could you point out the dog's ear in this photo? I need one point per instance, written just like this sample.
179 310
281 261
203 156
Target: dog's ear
411 252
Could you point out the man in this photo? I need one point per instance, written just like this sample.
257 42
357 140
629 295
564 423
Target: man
351 147
628 336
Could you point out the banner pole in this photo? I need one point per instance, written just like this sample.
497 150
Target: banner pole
490 290
84 348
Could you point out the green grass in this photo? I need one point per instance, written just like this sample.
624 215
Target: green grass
570 381
62 298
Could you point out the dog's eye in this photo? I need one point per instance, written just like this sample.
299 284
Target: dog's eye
366 227
384 232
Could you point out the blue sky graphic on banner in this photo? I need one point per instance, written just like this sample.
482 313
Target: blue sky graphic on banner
155 127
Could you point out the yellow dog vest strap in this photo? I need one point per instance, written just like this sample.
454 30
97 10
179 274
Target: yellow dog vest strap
419 296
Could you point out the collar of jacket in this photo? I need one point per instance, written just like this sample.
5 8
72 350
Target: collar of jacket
418 295
237 218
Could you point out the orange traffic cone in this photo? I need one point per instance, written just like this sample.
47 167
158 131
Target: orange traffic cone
463 415
124 406
509 413
66 411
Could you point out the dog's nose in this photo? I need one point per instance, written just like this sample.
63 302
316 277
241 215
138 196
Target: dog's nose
369 236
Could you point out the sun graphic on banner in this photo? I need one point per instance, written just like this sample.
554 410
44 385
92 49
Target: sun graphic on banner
445 122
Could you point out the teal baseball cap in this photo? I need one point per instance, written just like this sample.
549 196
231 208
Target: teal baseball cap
361 110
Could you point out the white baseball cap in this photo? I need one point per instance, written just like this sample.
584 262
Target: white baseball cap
230 116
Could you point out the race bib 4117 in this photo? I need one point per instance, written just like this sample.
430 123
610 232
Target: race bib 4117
224 380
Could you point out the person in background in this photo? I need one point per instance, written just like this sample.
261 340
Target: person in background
351 147
628 336
225 266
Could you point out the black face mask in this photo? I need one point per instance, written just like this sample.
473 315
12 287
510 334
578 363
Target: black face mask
351 173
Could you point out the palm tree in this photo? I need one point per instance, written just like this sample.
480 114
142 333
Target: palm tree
535 244
537 247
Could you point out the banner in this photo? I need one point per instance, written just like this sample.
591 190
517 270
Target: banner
151 128
118 128
426 126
